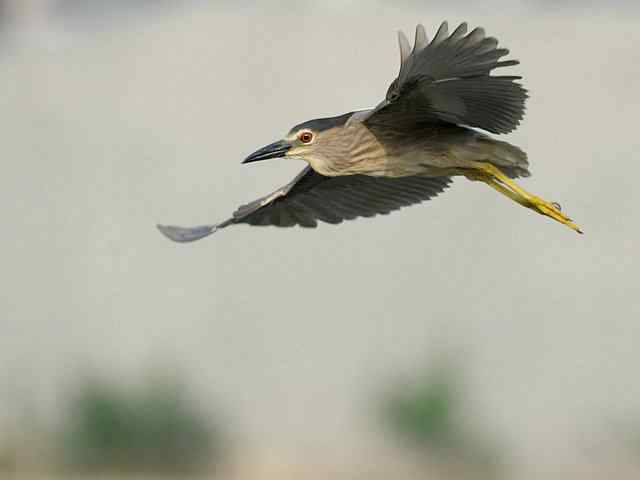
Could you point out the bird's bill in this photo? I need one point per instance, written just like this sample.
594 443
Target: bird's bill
274 150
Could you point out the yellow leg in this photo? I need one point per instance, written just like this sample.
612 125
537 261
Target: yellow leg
492 176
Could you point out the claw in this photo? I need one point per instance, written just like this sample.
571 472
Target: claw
551 210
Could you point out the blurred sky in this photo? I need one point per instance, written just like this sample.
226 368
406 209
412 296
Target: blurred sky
110 130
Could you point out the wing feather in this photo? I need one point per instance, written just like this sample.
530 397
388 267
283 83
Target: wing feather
311 197
449 80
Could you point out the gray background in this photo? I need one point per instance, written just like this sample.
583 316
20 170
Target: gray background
113 123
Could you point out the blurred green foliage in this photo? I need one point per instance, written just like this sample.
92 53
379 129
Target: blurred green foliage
153 429
7 460
428 412
425 410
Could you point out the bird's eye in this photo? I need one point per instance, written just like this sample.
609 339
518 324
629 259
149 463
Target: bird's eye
305 137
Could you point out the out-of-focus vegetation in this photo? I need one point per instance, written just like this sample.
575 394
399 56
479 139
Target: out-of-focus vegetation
428 414
154 428
7 460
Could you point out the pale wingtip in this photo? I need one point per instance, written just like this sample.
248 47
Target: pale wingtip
185 235
405 48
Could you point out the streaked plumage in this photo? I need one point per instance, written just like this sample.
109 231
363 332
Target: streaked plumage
404 150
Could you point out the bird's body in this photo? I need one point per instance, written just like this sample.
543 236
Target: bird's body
434 151
404 150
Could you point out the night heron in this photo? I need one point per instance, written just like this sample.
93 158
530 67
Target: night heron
406 149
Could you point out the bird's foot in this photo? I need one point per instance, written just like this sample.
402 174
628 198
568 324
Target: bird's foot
551 210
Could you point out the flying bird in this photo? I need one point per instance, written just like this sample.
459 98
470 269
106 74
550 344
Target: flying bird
433 124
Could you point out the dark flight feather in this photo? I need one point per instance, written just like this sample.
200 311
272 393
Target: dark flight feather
449 80
311 197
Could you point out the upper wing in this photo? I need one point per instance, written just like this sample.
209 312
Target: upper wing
311 197
449 80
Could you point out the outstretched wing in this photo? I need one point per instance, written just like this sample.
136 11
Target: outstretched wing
311 197
448 79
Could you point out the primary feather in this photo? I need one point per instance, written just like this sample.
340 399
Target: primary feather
449 80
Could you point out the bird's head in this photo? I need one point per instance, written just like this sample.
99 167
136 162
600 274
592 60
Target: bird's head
309 141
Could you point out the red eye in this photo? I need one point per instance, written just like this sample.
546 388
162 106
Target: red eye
305 137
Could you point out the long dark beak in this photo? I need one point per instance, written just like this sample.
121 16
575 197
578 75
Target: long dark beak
274 150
